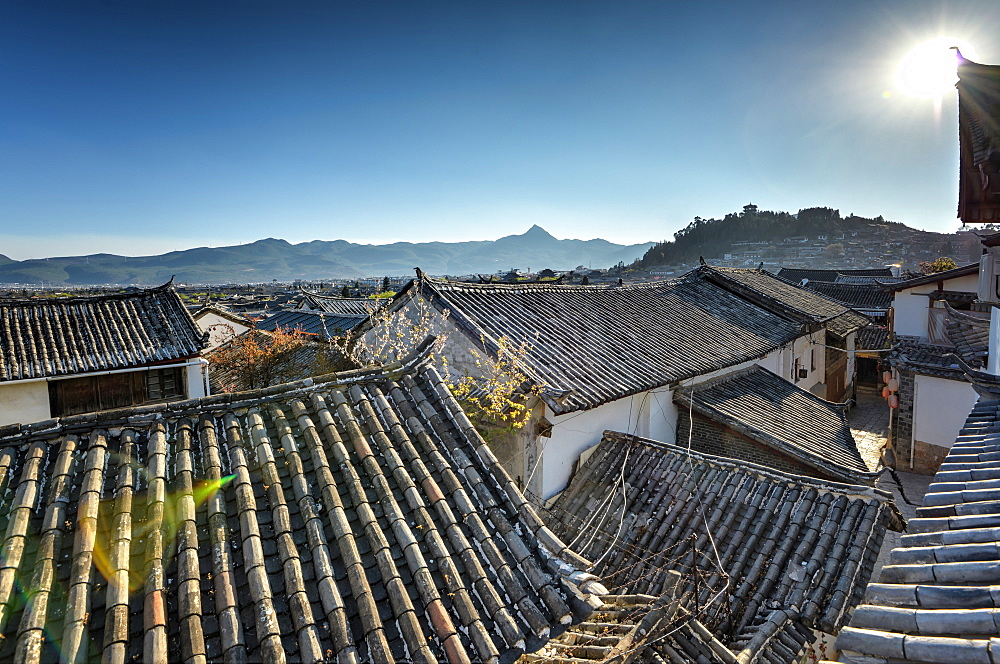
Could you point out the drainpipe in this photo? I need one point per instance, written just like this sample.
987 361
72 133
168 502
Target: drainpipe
204 376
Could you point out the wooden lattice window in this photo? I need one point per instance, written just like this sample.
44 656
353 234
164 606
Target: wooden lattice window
164 384
87 394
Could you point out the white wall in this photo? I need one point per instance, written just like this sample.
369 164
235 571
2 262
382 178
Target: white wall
811 352
219 329
940 408
809 349
662 415
649 414
910 312
24 402
773 361
910 305
197 379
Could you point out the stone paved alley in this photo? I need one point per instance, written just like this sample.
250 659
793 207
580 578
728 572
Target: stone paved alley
869 422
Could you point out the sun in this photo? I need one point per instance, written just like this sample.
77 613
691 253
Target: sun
929 70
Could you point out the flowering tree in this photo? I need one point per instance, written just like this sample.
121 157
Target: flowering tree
940 265
494 391
495 398
261 358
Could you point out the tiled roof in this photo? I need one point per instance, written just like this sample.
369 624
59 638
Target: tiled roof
856 296
779 553
345 306
929 359
353 518
878 281
772 411
787 298
990 239
323 325
796 275
957 297
970 332
594 344
938 600
873 337
962 271
58 337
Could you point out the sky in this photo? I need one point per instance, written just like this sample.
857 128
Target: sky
142 127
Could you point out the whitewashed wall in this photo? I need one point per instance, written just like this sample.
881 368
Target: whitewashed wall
219 329
910 312
810 350
910 305
573 433
24 402
196 375
662 415
940 408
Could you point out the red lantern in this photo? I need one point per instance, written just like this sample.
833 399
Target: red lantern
886 376
893 385
893 401
885 393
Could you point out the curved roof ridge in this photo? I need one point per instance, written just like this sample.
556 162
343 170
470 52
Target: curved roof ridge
756 368
541 286
725 270
966 317
847 488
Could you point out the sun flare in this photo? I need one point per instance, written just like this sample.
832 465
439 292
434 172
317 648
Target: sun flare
929 70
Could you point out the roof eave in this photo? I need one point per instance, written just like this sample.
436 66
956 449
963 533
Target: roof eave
845 473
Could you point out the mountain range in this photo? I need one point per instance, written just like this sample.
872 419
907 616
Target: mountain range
269 259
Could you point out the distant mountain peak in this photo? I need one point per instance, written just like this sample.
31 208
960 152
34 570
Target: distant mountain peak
537 231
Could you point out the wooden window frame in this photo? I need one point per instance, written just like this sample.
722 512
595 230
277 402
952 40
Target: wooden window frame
74 395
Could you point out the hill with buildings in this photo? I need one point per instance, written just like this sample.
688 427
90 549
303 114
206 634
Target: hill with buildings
813 237
275 259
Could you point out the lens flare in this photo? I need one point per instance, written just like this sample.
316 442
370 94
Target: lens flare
929 71
104 553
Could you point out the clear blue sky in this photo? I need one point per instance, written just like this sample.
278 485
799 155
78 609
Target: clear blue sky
140 127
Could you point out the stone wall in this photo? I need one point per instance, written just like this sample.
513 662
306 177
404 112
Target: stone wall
713 438
901 431
927 458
